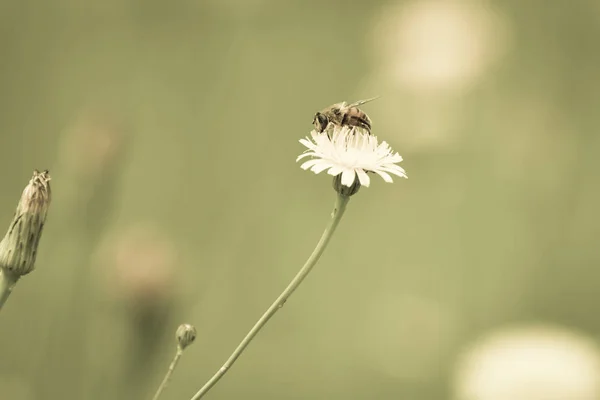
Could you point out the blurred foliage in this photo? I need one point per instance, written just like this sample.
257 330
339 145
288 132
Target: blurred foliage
183 117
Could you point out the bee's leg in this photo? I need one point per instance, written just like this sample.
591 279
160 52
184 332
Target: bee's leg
357 121
365 124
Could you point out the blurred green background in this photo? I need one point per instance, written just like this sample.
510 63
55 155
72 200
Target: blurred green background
171 129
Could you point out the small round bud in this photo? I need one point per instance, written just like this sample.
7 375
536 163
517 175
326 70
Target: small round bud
343 189
186 334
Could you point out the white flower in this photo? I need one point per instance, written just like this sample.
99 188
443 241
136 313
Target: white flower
350 152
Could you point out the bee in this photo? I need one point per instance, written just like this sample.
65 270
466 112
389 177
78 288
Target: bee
342 114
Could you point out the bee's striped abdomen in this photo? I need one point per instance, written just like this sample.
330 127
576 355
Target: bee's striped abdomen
357 119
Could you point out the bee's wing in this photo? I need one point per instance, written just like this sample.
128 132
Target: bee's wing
360 102
337 106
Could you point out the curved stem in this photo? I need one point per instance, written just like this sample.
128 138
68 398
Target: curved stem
167 377
338 211
7 283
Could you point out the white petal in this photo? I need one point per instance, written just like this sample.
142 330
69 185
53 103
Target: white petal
394 169
315 135
309 163
307 143
348 177
335 170
363 177
306 154
386 177
320 167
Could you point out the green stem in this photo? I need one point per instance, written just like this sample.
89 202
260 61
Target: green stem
167 377
338 212
8 281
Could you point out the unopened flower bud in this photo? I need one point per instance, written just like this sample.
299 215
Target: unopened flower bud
343 189
18 249
186 334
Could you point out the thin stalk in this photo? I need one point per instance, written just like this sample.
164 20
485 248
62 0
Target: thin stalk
169 373
336 216
8 281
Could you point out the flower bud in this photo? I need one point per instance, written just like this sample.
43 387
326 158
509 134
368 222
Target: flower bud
18 249
186 334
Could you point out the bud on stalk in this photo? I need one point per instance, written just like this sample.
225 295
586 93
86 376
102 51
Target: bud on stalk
18 249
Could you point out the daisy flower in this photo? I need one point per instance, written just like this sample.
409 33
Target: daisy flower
351 153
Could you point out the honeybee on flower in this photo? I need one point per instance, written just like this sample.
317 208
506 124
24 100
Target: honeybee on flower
343 114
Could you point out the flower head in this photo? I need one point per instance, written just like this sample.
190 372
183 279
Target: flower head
350 153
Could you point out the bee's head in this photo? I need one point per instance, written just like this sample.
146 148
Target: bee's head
320 121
